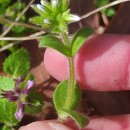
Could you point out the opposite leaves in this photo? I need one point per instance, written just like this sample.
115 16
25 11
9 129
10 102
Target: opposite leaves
17 64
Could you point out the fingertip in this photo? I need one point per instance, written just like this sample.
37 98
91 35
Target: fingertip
46 125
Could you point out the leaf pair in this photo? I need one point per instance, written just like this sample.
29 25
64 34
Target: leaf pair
60 99
77 41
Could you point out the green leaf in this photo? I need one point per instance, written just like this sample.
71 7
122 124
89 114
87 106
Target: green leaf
65 4
6 83
5 128
79 39
36 103
110 12
17 64
38 20
60 96
7 111
79 118
18 29
55 43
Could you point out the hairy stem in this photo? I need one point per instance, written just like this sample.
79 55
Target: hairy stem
70 83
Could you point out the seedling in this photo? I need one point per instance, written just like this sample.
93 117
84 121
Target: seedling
55 16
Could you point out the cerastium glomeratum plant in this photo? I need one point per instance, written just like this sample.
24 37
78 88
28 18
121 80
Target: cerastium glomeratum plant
54 17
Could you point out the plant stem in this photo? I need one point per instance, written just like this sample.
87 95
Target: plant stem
21 24
70 83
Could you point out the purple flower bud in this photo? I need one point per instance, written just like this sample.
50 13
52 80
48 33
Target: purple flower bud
30 84
19 114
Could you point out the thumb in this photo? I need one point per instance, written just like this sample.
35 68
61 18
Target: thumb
102 64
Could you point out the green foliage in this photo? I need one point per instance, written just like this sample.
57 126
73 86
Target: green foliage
17 64
12 12
6 83
7 110
79 39
5 128
11 49
53 15
60 96
55 43
79 118
35 101
109 11
4 2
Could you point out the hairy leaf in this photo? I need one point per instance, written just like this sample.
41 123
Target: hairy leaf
60 96
79 39
79 118
17 64
55 43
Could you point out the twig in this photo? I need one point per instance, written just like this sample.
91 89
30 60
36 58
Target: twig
37 34
17 42
21 24
103 7
18 38
30 37
19 16
8 46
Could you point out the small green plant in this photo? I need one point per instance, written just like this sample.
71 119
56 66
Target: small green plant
17 92
54 16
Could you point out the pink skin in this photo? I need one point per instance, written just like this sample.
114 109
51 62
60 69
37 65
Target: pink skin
102 64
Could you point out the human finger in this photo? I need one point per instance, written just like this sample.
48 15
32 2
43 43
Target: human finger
97 123
102 64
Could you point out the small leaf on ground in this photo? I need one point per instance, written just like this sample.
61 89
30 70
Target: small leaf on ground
17 64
